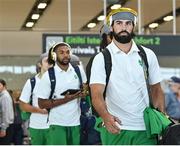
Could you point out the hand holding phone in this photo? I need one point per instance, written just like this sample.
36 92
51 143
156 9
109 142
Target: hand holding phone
70 91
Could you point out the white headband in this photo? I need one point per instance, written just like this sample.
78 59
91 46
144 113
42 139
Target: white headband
123 16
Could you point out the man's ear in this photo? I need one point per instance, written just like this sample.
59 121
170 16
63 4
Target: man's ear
111 29
134 28
39 65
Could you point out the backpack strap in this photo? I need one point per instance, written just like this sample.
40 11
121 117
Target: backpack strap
78 72
108 66
52 80
88 68
32 82
143 55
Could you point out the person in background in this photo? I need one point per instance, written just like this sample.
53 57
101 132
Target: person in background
74 60
172 99
17 137
126 95
106 36
38 126
6 115
64 116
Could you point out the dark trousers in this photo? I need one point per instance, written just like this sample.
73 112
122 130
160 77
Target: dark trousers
8 138
17 137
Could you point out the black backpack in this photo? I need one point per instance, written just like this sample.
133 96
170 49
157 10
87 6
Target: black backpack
108 67
171 135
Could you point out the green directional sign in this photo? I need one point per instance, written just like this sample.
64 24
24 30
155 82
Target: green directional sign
147 40
164 45
88 44
81 44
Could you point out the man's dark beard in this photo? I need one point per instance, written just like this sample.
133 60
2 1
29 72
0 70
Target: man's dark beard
63 62
123 38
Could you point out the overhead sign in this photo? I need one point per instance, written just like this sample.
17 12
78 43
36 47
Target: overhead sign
88 44
81 44
162 45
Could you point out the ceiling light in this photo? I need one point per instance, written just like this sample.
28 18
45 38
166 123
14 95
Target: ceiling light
101 18
153 25
115 6
168 18
91 25
42 5
29 24
35 16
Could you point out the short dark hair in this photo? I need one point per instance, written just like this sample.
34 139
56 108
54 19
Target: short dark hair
104 40
50 60
3 82
175 79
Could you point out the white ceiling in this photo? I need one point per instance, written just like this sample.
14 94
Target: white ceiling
55 18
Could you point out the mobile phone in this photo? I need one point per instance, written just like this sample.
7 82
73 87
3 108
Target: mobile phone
70 91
